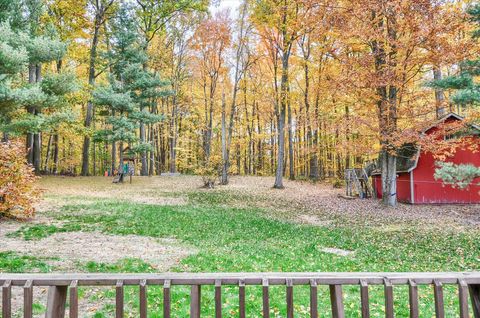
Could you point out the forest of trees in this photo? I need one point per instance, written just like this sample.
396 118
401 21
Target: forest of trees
298 89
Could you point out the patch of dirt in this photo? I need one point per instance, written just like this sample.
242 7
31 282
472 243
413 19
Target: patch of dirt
337 251
73 247
313 220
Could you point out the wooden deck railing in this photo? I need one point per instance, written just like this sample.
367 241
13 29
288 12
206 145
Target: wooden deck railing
468 287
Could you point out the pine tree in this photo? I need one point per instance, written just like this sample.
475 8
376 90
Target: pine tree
133 91
37 105
467 91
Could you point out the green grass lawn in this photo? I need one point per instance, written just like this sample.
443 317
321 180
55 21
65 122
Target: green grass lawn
233 239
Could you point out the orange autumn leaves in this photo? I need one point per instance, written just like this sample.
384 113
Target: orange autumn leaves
17 191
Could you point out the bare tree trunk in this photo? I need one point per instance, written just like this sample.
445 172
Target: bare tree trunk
273 145
47 156
173 136
143 154
152 153
55 153
387 105
120 161
114 152
347 137
280 150
31 110
37 137
281 123
91 82
439 97
224 144
291 159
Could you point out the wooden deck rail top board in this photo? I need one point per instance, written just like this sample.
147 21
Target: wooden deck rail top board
247 278
59 284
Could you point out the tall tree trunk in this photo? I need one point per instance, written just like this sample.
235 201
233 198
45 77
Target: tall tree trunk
143 154
347 137
120 161
291 157
37 137
439 97
173 136
281 123
114 152
152 153
387 105
55 153
224 144
32 71
280 149
47 155
91 83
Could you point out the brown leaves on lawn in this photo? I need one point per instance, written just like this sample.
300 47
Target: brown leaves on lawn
17 191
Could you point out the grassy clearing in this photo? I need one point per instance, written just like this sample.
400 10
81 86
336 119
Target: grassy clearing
235 231
245 239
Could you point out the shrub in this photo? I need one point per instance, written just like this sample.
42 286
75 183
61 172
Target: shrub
210 171
17 178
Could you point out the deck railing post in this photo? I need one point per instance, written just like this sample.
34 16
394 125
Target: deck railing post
218 298
336 299
313 299
74 299
388 287
7 299
364 299
166 298
56 299
266 298
195 301
289 295
28 299
438 295
143 298
475 296
119 299
241 298
463 298
413 298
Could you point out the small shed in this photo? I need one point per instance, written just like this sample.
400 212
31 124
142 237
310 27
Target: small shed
415 172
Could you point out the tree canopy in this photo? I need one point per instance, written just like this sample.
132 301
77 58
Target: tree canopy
291 88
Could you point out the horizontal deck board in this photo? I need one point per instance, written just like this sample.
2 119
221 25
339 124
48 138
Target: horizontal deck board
234 278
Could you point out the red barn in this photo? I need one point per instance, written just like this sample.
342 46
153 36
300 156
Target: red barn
415 173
